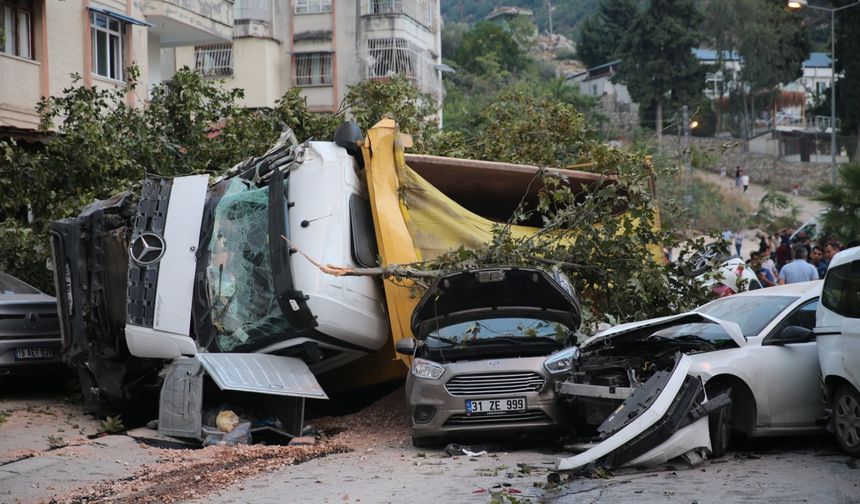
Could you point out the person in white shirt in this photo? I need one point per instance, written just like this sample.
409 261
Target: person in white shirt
745 181
798 270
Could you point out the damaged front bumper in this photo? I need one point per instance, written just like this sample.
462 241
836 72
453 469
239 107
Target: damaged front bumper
666 417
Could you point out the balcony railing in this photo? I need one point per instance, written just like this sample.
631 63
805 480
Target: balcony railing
385 62
214 60
419 10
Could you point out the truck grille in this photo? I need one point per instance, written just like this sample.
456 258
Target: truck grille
519 417
494 383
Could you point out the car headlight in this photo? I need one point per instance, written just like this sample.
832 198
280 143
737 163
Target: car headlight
427 369
561 362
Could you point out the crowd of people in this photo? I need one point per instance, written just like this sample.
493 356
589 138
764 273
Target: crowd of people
780 261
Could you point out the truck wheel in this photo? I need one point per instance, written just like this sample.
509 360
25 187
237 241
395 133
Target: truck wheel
720 424
846 419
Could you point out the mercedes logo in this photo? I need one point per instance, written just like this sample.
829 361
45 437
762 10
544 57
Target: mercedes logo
147 248
32 320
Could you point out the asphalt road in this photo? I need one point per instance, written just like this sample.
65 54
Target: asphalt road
383 467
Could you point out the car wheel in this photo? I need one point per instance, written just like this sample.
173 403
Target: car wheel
426 442
846 419
720 424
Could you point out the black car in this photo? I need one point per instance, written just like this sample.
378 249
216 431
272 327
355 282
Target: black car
29 328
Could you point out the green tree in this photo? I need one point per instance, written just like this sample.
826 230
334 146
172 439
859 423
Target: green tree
772 43
488 38
848 67
842 213
658 66
601 33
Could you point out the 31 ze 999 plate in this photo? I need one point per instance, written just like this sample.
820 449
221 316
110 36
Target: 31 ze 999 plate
475 407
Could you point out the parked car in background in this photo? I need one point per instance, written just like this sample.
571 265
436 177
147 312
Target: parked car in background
838 335
29 328
755 347
480 363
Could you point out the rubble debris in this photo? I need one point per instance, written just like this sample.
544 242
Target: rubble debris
454 449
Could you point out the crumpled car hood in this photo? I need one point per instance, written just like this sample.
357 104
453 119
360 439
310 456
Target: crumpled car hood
632 329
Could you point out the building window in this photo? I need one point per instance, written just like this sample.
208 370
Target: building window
16 28
313 6
386 6
389 56
313 69
214 60
107 40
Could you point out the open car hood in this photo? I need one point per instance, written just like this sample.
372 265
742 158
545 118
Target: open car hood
524 290
645 328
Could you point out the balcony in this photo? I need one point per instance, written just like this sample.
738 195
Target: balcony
421 11
189 22
385 61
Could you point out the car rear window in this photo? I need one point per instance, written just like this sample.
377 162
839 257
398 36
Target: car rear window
841 292
11 285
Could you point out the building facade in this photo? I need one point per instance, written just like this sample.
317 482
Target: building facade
322 47
43 43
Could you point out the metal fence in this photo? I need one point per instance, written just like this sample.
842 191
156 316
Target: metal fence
214 60
386 57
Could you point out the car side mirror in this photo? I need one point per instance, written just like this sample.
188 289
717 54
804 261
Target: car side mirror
406 346
789 335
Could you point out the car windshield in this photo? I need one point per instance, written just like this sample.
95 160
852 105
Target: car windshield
752 313
11 285
497 330
696 331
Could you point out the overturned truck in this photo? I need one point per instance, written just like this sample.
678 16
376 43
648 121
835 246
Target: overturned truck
187 291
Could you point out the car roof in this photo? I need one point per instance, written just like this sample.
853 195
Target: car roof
802 289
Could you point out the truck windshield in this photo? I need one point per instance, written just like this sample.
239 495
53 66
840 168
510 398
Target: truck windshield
245 309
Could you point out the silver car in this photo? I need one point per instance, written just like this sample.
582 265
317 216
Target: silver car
29 328
481 365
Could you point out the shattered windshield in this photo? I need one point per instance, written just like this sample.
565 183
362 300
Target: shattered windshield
752 313
497 330
241 287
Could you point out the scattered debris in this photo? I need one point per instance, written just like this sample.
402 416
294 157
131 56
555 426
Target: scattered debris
455 449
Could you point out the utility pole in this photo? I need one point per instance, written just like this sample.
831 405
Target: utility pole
549 9
688 165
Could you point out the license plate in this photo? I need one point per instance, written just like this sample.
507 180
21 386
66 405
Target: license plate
495 406
34 353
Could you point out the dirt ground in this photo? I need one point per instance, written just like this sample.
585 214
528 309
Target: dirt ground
367 457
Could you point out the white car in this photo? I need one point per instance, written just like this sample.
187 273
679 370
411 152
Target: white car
753 351
838 335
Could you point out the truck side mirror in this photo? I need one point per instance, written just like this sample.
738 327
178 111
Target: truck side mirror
789 335
348 135
406 346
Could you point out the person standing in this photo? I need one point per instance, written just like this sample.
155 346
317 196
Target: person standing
816 258
798 270
739 241
745 181
831 250
738 176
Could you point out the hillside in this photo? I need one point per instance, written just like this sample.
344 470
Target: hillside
566 16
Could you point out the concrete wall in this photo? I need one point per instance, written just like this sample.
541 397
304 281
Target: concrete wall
762 168
61 35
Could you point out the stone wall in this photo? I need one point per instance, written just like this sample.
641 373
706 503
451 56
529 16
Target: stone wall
762 168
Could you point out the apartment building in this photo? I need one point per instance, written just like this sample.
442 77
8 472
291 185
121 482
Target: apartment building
44 42
322 46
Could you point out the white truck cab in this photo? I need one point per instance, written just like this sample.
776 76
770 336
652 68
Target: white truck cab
837 332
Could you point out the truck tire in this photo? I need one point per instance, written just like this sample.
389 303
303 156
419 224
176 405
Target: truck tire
846 419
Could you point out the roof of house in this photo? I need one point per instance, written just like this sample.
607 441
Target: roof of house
596 70
817 60
711 55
